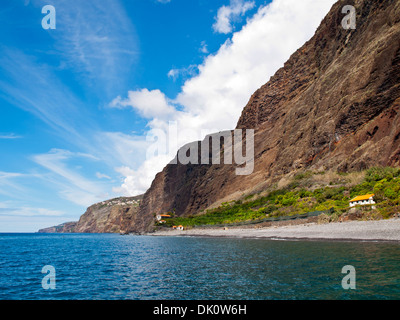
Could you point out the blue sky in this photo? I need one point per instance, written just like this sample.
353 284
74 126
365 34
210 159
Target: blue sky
78 102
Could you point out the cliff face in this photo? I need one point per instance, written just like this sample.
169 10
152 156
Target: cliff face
67 227
335 102
111 216
334 105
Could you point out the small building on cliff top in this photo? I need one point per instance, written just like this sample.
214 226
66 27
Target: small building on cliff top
161 217
362 200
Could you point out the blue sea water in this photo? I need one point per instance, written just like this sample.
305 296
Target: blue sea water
114 267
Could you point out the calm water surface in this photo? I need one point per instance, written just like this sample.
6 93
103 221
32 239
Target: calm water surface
128 267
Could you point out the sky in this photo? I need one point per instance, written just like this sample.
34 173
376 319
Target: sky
82 105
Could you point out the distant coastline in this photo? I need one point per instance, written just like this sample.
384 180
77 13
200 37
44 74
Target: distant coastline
380 230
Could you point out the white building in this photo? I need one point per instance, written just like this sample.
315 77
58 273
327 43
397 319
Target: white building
160 217
362 200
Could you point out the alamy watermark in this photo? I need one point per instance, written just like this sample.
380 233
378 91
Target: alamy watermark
49 21
226 144
49 280
349 21
349 281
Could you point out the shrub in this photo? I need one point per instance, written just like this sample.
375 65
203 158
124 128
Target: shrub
389 193
304 193
380 173
288 201
267 210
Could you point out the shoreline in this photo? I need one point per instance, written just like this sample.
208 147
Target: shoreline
364 231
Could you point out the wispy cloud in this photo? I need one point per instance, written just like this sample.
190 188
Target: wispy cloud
40 92
18 186
100 175
96 40
71 185
19 217
204 47
96 43
120 149
10 136
227 14
35 88
185 73
8 185
12 209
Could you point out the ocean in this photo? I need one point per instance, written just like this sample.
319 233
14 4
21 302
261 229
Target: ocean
115 267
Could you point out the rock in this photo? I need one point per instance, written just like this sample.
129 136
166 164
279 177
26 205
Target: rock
112 216
67 227
352 214
323 219
353 210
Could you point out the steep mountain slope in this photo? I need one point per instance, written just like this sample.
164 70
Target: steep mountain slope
334 105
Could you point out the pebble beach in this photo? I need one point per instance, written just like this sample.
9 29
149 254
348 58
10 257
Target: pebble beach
380 230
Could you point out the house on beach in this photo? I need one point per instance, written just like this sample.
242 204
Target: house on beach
364 200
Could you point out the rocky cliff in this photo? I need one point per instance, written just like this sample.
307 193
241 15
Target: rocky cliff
334 105
111 216
67 227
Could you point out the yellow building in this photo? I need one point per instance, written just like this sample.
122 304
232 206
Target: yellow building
362 200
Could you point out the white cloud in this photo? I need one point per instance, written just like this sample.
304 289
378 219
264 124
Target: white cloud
173 73
183 72
102 176
213 100
203 48
149 104
138 181
227 14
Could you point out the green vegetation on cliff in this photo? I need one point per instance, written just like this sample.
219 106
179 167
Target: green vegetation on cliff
307 192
